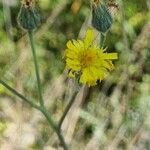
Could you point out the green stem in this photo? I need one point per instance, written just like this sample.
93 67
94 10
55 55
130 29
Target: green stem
36 68
102 39
19 95
54 127
40 108
71 101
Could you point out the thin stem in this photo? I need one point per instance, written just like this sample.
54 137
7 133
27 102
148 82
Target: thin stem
71 101
102 39
19 95
54 127
40 108
36 68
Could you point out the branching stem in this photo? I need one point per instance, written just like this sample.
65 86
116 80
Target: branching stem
54 127
41 108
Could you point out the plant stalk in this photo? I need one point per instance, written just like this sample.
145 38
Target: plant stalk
71 101
19 95
54 127
102 39
30 33
42 108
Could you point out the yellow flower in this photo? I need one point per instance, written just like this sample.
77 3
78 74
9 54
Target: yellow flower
87 60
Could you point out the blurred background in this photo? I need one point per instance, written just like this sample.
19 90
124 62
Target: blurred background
111 116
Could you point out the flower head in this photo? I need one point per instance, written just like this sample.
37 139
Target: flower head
87 60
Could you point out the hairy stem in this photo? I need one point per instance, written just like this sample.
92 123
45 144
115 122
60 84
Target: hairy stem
102 39
42 108
71 101
36 68
54 127
19 95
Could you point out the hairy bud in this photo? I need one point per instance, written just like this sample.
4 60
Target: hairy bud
28 17
101 17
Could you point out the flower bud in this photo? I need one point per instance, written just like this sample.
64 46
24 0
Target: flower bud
101 17
28 17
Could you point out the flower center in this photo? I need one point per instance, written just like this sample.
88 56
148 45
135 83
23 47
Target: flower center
87 59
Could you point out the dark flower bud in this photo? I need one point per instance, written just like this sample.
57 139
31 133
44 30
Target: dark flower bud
101 17
28 17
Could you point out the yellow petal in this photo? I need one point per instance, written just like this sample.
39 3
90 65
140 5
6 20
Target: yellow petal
78 45
70 45
71 54
107 64
71 74
110 56
88 38
87 78
81 44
